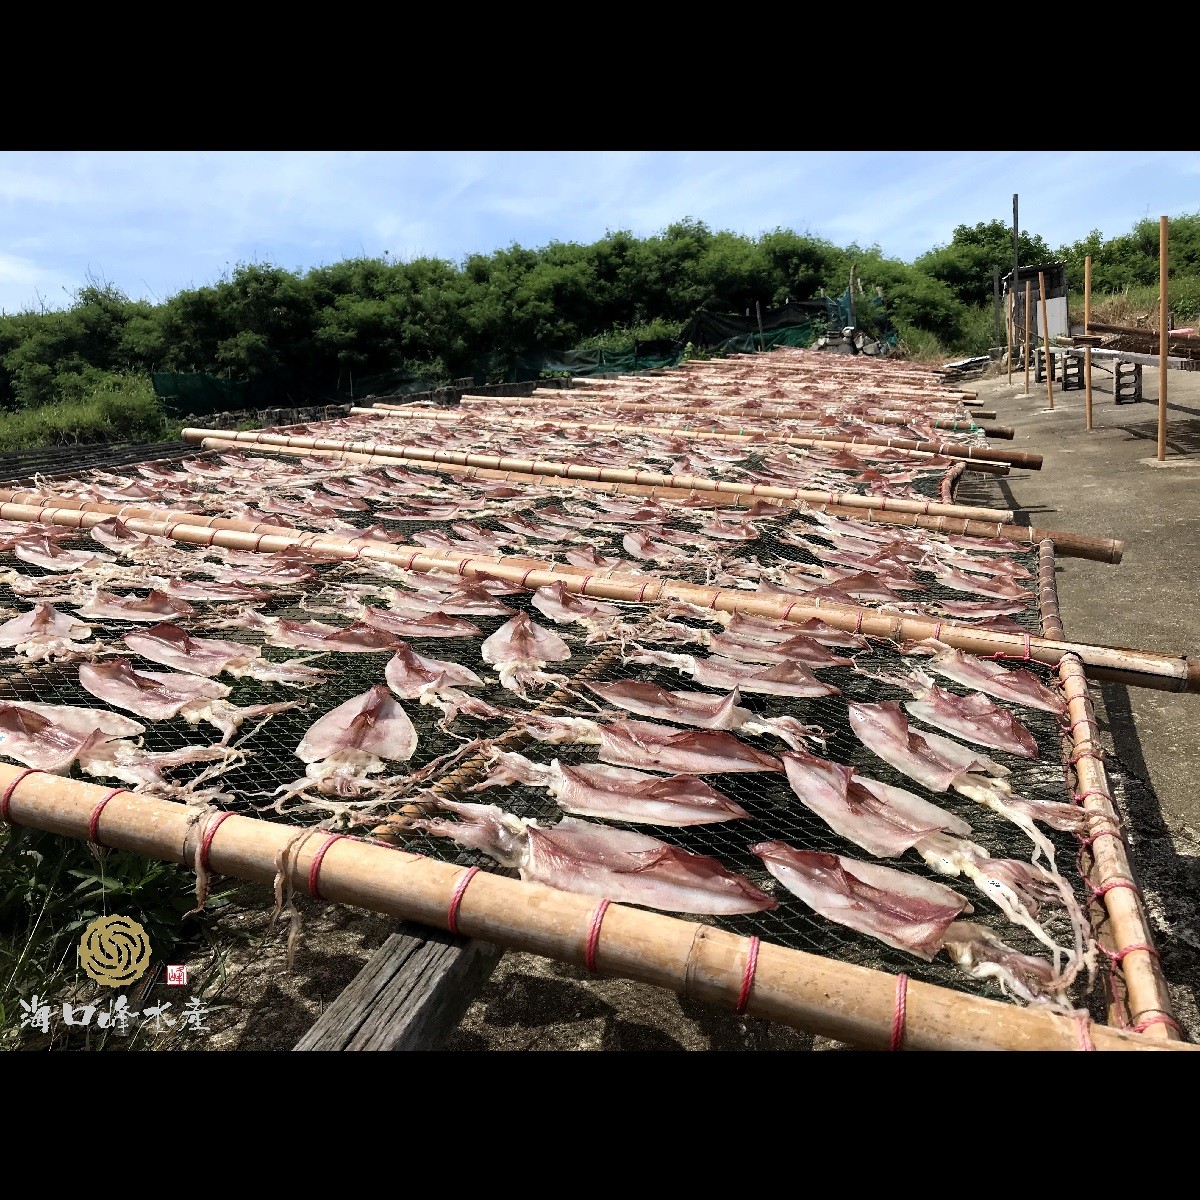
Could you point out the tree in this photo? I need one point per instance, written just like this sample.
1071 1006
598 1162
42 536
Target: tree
967 264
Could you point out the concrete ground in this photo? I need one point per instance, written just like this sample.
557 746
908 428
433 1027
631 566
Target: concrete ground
1098 483
1108 483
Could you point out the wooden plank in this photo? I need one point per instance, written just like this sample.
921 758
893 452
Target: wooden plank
410 996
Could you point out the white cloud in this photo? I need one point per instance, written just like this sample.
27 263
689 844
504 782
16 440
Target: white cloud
153 222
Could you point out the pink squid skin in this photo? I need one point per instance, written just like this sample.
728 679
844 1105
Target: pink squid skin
409 674
598 860
155 607
372 724
42 624
975 718
644 745
523 641
798 649
780 679
49 737
1005 683
618 793
431 625
902 910
171 646
565 607
934 761
885 821
759 629
961 581
699 709
355 638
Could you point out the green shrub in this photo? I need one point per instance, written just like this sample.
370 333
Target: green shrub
116 408
919 345
51 887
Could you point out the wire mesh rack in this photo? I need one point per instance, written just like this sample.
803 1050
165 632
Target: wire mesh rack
267 766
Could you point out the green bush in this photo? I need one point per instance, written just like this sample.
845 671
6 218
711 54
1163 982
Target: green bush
118 408
51 887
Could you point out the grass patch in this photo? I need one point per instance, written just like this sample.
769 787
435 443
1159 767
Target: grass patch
50 888
122 409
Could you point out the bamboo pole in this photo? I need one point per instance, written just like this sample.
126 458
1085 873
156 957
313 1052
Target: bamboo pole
1148 999
1138 667
1045 339
790 987
1071 545
973 454
1087 350
1028 300
1048 607
1162 338
580 471
765 416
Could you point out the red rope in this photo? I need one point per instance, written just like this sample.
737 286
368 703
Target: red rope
937 629
1081 721
1022 657
456 898
897 1040
1117 956
315 869
258 542
6 799
858 623
713 602
461 569
1083 1031
748 976
94 820
1098 755
1086 843
209 834
787 611
526 576
642 591
1080 797
1158 1019
593 939
1097 892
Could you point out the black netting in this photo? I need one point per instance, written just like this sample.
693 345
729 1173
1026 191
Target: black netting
775 813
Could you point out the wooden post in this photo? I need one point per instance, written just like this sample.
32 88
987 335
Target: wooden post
1008 333
1016 249
1028 297
1046 337
996 302
762 337
1087 350
1162 338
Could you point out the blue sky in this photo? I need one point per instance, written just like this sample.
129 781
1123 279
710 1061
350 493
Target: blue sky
153 223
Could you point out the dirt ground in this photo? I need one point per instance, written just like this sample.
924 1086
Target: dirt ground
1102 482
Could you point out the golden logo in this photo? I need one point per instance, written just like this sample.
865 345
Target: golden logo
114 951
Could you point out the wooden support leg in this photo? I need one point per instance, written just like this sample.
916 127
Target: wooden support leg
410 996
